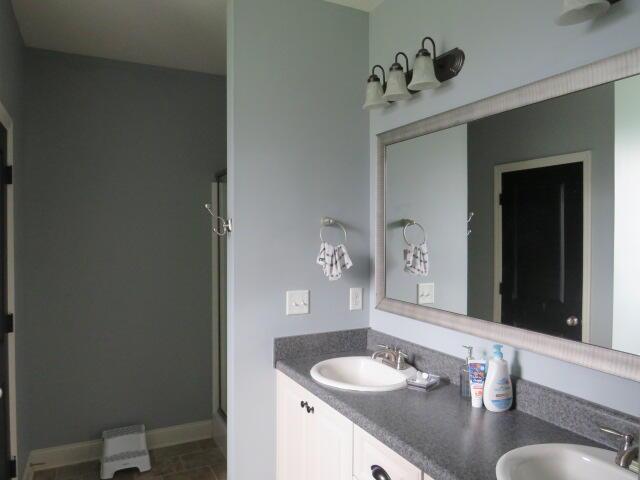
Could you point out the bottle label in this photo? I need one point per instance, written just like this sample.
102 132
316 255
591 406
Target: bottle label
502 404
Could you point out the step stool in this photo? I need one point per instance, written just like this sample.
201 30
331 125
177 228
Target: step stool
124 448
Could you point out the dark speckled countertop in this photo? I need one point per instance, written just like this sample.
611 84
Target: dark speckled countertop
437 431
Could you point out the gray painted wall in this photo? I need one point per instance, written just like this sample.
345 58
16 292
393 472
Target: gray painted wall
116 253
297 151
427 182
573 123
508 44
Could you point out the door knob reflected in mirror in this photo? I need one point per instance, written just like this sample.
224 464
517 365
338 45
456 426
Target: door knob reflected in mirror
573 321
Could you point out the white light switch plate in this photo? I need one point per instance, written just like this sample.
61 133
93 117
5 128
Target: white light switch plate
355 298
297 302
426 293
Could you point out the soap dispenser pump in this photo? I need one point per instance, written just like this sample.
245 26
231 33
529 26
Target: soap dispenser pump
465 391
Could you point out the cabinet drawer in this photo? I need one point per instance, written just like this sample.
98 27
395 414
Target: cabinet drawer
367 451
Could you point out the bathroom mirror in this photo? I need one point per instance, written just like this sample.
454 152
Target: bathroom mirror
516 218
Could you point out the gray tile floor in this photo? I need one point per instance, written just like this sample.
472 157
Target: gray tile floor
190 461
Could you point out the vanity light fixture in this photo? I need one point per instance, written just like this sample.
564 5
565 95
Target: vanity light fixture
578 11
397 84
429 71
375 90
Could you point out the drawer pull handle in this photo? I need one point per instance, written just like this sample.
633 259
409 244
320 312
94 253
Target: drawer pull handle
310 409
379 473
303 404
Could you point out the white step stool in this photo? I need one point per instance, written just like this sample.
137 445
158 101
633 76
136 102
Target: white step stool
124 448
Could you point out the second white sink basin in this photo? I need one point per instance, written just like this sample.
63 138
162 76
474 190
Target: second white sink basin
557 461
360 374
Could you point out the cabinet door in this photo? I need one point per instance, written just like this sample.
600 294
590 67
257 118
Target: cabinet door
368 451
291 430
329 443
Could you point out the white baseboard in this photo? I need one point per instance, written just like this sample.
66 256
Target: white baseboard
73 453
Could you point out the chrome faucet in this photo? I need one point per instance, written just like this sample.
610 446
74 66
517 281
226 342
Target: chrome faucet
393 357
626 452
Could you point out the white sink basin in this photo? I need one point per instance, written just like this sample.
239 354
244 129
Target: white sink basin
556 461
361 374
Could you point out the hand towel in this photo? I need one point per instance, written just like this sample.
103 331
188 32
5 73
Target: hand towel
416 260
333 260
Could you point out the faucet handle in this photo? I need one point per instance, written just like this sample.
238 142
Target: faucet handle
400 359
627 437
385 347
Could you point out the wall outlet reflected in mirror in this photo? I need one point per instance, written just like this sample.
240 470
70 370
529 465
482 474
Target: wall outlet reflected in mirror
426 293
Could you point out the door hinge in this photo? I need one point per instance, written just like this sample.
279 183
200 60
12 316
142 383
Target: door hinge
500 198
8 175
8 322
13 468
501 288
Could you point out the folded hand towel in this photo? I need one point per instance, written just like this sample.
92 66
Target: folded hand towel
416 260
333 260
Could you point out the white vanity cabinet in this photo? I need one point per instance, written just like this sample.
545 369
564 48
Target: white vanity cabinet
369 452
314 442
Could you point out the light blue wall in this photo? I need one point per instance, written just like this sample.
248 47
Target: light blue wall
508 44
423 174
297 151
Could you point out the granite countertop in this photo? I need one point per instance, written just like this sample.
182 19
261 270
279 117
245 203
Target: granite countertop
437 431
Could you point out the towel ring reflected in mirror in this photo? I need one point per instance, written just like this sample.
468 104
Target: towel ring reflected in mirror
413 223
332 222
223 226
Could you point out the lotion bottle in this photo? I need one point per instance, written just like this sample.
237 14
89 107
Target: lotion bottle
498 391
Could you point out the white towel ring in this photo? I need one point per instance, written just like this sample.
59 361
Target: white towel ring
331 222
413 223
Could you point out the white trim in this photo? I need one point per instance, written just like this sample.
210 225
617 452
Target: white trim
578 157
54 457
6 120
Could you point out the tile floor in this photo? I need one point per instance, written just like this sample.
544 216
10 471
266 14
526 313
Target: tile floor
190 461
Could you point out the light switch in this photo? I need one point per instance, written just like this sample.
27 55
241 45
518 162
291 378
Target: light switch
297 302
355 298
426 293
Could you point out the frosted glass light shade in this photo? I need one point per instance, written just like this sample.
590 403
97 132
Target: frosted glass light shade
424 75
396 86
374 97
578 11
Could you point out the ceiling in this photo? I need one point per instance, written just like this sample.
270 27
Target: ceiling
182 34
366 5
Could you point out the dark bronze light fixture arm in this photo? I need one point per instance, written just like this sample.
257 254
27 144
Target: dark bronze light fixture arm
433 46
406 60
373 73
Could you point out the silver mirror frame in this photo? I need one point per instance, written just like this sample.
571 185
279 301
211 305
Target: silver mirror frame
614 362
